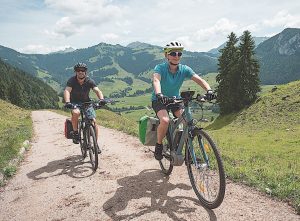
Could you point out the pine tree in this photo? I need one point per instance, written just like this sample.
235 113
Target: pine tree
248 67
238 74
227 74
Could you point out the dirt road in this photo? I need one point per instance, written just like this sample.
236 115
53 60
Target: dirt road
54 184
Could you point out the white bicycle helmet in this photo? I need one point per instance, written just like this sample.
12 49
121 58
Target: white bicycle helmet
173 45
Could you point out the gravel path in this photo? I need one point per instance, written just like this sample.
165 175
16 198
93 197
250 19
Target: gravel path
53 183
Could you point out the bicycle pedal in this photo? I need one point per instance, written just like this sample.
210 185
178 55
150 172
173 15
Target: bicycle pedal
150 150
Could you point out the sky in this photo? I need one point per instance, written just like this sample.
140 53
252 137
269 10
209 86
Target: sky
45 26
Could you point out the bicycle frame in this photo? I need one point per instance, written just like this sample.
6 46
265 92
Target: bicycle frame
84 123
189 131
84 119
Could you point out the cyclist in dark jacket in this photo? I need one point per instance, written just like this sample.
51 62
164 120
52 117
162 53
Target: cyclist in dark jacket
76 92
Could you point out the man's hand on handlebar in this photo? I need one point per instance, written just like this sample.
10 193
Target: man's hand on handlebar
102 102
69 105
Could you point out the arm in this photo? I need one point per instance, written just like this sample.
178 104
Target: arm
67 94
156 83
201 82
98 93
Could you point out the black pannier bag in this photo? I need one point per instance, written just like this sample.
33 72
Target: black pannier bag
68 129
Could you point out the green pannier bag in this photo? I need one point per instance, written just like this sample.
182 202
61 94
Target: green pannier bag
147 130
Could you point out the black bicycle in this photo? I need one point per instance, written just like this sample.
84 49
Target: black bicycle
87 131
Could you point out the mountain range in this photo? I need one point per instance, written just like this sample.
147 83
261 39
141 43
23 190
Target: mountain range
257 41
105 62
278 56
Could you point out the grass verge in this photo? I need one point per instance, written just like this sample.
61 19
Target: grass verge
15 127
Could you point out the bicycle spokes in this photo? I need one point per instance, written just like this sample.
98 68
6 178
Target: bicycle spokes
206 171
166 162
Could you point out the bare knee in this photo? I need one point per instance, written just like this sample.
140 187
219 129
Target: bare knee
76 112
164 121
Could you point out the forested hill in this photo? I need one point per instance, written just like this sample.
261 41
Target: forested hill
24 90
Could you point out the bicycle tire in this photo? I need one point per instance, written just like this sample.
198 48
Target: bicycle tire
203 187
82 140
166 162
92 147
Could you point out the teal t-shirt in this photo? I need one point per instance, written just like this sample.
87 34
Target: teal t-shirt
171 82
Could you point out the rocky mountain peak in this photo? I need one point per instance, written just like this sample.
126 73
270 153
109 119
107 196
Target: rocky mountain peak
287 42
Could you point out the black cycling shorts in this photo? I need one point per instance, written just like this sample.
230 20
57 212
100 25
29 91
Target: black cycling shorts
157 106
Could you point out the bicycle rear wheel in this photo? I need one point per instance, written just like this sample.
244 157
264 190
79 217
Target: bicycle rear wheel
207 176
92 147
166 162
82 141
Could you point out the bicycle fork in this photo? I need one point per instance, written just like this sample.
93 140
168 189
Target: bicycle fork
191 149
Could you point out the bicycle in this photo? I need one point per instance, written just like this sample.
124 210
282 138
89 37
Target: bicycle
202 158
87 131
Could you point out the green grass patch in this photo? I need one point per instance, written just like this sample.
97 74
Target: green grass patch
9 171
260 145
15 127
191 85
135 115
143 100
109 87
48 79
111 120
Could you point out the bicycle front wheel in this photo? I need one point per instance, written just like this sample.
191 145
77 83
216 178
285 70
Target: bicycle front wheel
82 139
166 162
92 147
207 174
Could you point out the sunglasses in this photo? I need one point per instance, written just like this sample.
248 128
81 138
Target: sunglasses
80 70
174 53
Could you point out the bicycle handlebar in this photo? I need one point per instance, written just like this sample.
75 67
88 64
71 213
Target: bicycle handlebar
198 98
96 104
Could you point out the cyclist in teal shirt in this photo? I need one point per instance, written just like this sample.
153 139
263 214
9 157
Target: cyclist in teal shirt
171 82
168 77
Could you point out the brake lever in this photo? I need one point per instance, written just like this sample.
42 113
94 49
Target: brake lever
200 98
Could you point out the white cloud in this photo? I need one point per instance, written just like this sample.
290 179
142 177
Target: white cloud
108 37
222 27
65 27
186 41
251 27
199 24
41 49
80 14
283 18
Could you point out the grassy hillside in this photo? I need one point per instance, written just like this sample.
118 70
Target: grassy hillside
260 145
112 120
15 127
